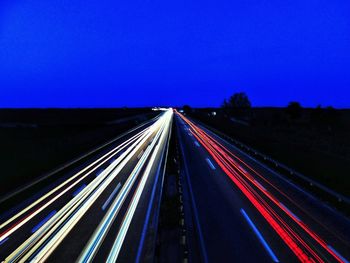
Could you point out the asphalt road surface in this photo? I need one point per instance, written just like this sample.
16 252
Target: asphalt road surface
92 215
239 210
236 209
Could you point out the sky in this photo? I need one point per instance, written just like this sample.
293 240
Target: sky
83 53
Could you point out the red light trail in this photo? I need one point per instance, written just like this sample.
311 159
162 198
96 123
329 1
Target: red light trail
246 183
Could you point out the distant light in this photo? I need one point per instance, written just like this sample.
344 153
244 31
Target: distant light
160 109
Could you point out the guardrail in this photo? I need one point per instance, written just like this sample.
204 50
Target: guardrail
69 164
324 193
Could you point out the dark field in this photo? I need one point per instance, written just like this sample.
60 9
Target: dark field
36 141
315 143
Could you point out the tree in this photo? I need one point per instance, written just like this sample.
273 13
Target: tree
187 109
225 104
317 115
294 109
238 100
332 116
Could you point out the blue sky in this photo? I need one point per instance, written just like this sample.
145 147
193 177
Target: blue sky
73 53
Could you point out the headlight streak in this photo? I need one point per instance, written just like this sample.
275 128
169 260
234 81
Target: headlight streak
113 255
97 238
48 237
159 179
230 167
100 162
59 236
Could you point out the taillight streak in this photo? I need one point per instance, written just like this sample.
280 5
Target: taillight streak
229 166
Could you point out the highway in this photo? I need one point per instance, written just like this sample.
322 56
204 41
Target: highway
104 212
236 209
239 210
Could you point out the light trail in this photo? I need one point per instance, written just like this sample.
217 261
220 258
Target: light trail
102 230
31 215
113 255
49 235
244 181
228 152
78 206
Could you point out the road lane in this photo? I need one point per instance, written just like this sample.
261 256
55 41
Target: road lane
54 199
75 198
236 209
225 234
300 238
323 218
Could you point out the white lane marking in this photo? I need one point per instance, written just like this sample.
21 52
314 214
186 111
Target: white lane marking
258 234
3 241
270 170
99 162
114 252
196 143
111 196
50 237
99 234
210 164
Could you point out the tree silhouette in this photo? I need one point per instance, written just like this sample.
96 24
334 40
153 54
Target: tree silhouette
187 109
294 109
238 100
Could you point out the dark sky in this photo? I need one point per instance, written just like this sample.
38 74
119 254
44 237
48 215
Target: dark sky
70 53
